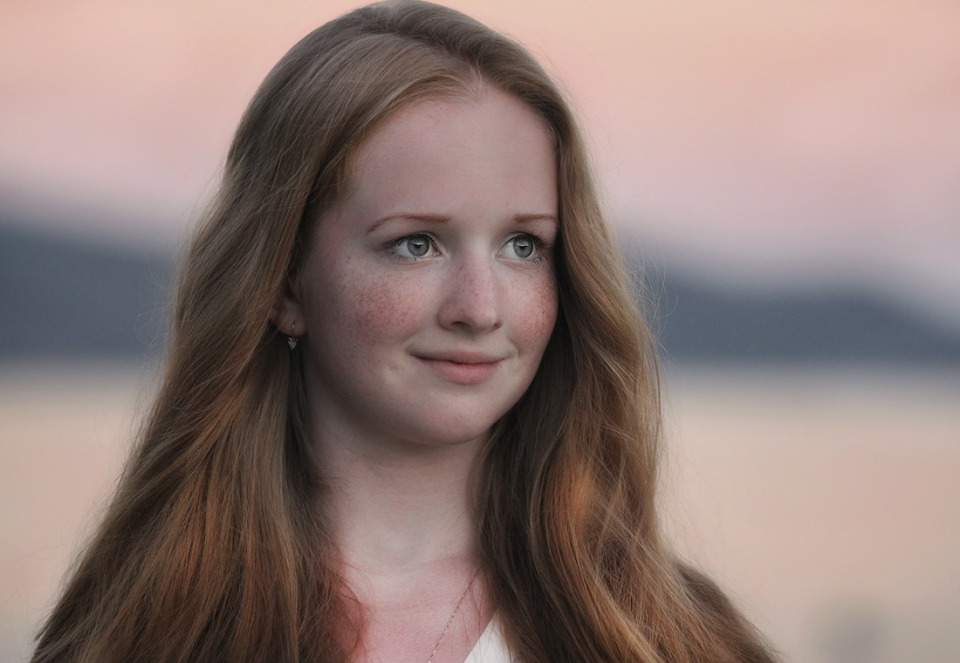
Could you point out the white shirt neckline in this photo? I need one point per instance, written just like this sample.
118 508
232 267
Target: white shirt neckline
491 647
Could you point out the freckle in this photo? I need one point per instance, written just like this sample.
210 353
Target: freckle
545 304
382 306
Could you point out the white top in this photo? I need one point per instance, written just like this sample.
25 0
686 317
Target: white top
491 647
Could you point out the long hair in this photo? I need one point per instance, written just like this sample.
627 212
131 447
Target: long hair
210 549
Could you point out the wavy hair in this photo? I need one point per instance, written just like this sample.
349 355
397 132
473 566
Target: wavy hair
210 550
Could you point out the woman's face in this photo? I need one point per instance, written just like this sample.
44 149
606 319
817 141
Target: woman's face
427 296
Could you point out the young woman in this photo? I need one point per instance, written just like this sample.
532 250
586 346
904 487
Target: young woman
410 410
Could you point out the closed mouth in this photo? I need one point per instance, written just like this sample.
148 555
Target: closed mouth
464 358
461 368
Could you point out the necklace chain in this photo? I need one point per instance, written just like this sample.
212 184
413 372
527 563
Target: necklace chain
456 609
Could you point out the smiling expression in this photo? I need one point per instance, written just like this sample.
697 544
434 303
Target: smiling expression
427 296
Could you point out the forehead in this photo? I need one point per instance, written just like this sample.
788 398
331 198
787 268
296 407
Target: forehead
442 149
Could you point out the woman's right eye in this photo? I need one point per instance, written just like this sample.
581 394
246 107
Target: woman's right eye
413 247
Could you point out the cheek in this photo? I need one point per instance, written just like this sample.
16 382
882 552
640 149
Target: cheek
537 314
354 310
386 307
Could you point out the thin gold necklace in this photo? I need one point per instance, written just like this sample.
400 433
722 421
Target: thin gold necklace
456 609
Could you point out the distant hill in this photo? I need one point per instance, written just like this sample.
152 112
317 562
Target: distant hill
61 298
842 325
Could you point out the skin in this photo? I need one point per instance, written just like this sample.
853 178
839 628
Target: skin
425 303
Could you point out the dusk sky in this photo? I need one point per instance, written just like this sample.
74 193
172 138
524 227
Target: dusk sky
799 140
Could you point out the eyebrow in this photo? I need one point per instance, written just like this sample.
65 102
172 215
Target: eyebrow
426 218
439 218
522 218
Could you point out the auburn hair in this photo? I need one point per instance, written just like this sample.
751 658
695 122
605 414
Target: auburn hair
211 550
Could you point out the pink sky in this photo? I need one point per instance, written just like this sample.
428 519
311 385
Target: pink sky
789 139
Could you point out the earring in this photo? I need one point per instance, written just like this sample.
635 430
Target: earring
291 339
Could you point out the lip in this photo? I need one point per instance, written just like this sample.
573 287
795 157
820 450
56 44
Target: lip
466 368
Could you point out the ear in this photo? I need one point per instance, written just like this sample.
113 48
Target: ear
287 314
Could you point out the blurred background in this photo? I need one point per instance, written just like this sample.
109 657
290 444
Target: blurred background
786 176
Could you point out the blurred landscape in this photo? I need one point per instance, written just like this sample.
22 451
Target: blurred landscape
785 178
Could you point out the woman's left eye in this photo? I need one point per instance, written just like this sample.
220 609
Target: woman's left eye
522 247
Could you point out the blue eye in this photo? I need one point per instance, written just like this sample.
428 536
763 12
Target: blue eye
413 246
522 247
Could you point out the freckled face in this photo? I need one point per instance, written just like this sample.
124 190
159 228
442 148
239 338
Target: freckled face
428 293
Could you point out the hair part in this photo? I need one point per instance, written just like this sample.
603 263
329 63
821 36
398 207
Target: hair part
211 549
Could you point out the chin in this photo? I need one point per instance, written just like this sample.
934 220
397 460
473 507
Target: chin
453 430
456 436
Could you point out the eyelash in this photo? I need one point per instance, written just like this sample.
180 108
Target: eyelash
540 247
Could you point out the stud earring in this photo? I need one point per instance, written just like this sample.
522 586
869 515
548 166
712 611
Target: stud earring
291 339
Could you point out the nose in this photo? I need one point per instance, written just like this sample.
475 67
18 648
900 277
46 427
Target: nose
472 297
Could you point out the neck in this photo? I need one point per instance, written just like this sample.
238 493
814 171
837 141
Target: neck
402 521
396 508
